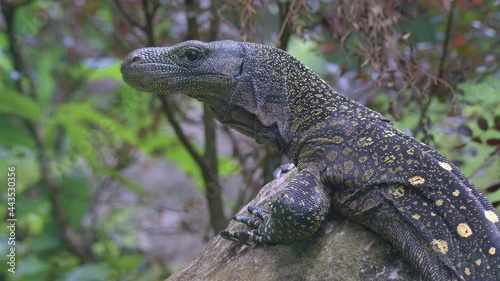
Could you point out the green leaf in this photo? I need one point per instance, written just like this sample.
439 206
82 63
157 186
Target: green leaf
46 82
104 68
32 267
494 197
174 151
48 241
89 272
14 134
123 180
76 196
481 97
179 156
307 53
79 141
26 165
481 102
35 223
72 114
17 104
86 127
227 166
126 262
106 248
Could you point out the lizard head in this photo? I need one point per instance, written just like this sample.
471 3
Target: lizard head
237 80
191 67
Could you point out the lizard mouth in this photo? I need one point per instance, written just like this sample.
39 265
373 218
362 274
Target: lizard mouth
158 70
153 81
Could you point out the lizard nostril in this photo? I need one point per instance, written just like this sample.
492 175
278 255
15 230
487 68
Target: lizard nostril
136 60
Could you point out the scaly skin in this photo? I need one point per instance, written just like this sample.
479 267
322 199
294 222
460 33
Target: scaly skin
349 157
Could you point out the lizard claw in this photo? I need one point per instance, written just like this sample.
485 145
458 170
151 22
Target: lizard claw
257 235
259 212
248 221
283 169
246 237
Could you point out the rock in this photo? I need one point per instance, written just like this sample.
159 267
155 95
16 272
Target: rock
341 250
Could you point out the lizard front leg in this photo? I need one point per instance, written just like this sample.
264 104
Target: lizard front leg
297 213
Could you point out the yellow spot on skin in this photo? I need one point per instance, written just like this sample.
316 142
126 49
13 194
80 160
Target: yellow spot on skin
445 166
337 139
491 216
439 202
456 192
440 246
389 159
363 159
464 230
348 165
478 262
492 251
332 155
367 175
397 192
369 204
416 180
365 141
388 134
415 216
467 271
394 171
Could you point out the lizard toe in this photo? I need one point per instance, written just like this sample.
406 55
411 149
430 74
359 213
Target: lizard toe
254 223
246 237
259 212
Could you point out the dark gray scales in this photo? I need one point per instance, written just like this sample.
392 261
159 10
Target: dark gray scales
350 158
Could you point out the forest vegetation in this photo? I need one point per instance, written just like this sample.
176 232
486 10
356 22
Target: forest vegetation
114 184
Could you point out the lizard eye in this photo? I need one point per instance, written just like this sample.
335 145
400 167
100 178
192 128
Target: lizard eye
192 55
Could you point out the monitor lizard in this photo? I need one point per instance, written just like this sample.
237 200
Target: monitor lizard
350 159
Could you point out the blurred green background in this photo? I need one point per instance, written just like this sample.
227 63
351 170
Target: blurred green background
113 184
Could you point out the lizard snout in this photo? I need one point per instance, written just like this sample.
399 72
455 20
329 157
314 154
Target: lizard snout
133 58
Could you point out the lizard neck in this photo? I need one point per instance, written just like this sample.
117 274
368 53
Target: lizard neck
317 113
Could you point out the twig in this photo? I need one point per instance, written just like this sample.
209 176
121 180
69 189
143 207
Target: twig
213 188
285 23
131 20
444 47
442 60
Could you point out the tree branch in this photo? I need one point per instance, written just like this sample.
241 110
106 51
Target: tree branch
444 47
213 188
285 12
207 163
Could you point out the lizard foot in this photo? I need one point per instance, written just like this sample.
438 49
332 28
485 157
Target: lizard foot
258 235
